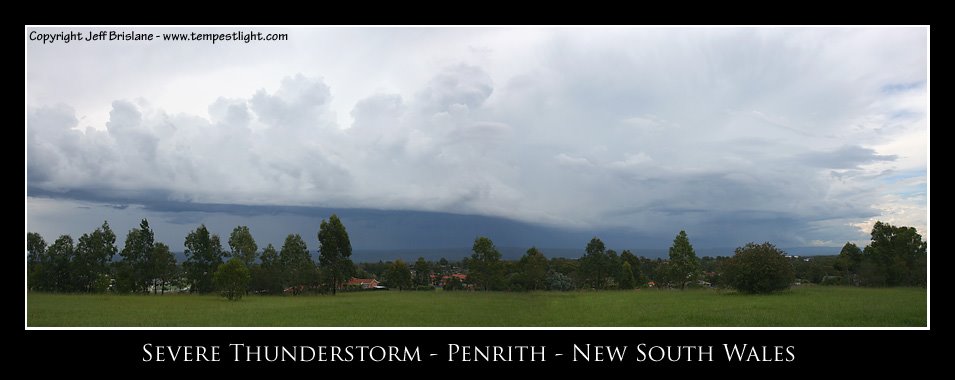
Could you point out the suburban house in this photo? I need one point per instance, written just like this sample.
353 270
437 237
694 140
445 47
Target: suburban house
362 283
443 280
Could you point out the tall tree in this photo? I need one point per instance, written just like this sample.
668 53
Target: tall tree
533 267
614 267
626 276
334 252
297 265
270 257
56 271
896 252
398 275
243 245
595 264
486 269
55 274
163 269
133 269
684 265
422 272
93 254
36 250
634 262
203 256
267 276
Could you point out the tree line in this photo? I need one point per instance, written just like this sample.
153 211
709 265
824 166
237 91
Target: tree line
896 256
146 265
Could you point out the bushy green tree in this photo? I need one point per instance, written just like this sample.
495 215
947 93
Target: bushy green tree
559 281
297 265
243 246
163 268
485 269
36 252
896 253
232 278
595 265
849 262
93 253
398 275
533 268
758 268
55 275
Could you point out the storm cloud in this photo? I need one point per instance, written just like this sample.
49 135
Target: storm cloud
799 136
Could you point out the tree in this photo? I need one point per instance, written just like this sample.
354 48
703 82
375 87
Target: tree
758 268
896 252
36 250
595 265
133 269
243 245
232 278
626 276
55 275
334 252
850 259
267 276
203 256
398 275
684 265
93 254
452 283
163 267
486 270
635 265
422 272
559 281
297 265
533 268
270 257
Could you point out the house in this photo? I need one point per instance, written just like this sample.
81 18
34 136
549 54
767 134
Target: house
463 278
362 283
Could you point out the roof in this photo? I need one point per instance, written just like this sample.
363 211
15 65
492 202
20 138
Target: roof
361 281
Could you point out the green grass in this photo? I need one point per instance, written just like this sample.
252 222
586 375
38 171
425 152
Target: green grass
804 306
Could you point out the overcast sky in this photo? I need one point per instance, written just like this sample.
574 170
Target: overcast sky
799 136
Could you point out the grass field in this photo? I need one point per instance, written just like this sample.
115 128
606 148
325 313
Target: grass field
805 306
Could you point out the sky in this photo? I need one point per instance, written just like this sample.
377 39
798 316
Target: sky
427 137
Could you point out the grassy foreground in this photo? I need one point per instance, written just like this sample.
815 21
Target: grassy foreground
805 306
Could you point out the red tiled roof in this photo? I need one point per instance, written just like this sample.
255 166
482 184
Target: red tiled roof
360 281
